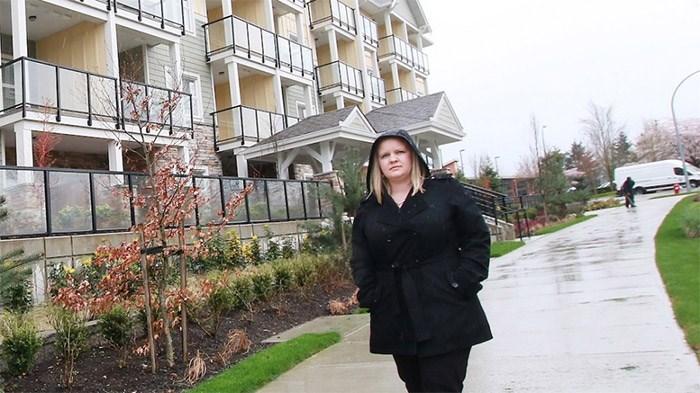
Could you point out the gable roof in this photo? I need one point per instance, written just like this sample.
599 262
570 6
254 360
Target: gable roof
406 113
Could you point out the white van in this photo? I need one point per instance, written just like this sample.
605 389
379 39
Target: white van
657 175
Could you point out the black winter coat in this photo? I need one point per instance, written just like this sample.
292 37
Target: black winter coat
419 269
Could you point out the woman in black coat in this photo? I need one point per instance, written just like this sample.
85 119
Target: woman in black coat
420 250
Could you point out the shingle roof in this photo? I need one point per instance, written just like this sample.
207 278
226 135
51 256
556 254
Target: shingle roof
312 124
406 113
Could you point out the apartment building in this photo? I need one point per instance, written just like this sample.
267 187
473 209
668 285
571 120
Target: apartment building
264 86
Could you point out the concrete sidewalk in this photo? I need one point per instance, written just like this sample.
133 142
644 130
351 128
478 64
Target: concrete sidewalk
580 310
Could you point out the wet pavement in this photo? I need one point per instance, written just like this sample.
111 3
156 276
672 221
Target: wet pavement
579 310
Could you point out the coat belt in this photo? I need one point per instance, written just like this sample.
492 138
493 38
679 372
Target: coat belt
410 293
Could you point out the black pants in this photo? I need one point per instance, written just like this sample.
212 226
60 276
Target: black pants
441 373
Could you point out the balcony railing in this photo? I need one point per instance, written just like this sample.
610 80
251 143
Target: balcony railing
245 124
246 39
397 95
30 84
166 12
378 90
405 52
338 13
294 56
51 201
369 28
339 75
242 37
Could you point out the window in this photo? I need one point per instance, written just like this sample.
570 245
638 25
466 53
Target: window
301 110
189 21
191 85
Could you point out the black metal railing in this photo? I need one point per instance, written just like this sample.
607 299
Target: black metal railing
166 12
410 55
246 124
338 74
243 38
378 90
501 207
394 96
369 31
35 85
338 13
53 201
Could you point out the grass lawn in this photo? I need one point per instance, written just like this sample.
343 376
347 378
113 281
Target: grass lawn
254 372
502 248
677 258
562 225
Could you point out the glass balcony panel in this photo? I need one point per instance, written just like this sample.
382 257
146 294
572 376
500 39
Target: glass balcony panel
311 197
232 188
278 206
285 51
41 84
208 200
240 34
307 60
70 202
158 109
25 202
225 125
11 85
292 121
111 205
268 48
256 39
257 202
130 3
139 184
103 93
182 112
73 90
297 60
295 200
133 95
172 11
249 123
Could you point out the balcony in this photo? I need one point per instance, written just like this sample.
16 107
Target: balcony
378 90
245 124
370 35
339 76
403 51
333 11
242 38
395 96
52 201
166 12
34 85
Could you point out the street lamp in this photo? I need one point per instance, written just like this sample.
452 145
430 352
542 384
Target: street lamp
461 161
496 159
678 135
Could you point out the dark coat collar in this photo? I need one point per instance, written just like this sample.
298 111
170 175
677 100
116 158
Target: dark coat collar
390 214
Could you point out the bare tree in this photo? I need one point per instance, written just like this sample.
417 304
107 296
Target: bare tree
656 142
601 130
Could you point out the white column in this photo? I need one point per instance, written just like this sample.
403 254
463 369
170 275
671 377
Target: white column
387 24
233 84
339 102
395 76
309 101
115 154
226 7
359 48
111 46
327 152
3 160
333 45
23 145
301 31
437 159
227 10
19 28
277 87
183 153
242 165
269 15
282 171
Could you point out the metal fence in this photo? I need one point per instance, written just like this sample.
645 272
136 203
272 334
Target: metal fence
51 201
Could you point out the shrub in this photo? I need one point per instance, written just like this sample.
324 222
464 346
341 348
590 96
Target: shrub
263 282
20 344
288 250
243 292
690 221
273 247
117 327
17 297
208 311
255 250
284 275
234 249
602 204
304 272
71 339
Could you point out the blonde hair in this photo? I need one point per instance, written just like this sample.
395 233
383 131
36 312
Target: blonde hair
378 183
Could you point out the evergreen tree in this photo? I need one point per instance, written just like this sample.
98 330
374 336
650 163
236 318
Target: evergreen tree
489 176
623 150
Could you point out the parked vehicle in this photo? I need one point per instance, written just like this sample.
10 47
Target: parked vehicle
657 175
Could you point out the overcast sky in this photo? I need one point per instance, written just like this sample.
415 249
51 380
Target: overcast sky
501 61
